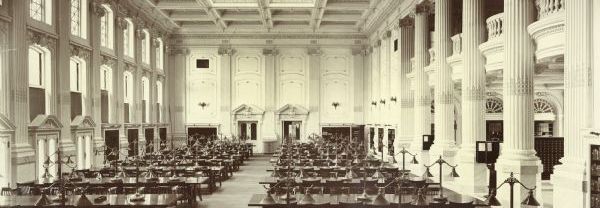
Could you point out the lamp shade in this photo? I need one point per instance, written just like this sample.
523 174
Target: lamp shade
530 200
454 173
491 200
414 160
380 200
427 174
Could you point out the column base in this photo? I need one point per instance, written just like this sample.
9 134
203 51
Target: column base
569 179
526 167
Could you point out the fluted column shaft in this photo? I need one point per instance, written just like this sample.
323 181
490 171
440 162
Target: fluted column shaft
578 108
226 60
422 97
473 95
518 79
517 154
444 87
375 80
405 53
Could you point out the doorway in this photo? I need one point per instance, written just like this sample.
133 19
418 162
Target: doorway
149 134
247 130
132 138
494 131
111 138
291 130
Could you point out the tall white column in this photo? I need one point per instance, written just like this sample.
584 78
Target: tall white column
578 108
226 53
473 175
89 152
80 153
518 154
360 70
422 97
405 53
444 143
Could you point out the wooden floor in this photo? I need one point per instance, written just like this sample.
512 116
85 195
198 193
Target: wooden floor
236 191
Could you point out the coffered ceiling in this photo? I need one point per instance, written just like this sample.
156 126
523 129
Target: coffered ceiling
271 16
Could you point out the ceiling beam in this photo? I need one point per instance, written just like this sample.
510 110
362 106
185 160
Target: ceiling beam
366 14
314 14
321 12
213 13
265 13
165 15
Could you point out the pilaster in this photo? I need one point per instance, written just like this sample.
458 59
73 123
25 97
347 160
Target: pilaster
226 53
360 68
268 127
314 98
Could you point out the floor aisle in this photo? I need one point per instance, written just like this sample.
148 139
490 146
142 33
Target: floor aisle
236 191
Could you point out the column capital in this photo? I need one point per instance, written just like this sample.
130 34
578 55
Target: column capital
377 43
108 61
270 51
96 8
121 23
406 22
226 51
425 7
314 51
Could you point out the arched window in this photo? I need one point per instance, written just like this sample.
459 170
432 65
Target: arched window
107 27
41 10
493 105
105 93
79 18
40 80
128 41
159 101
159 53
78 86
145 99
146 47
128 94
542 106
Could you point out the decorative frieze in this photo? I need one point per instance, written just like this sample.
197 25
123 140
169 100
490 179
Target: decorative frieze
41 39
80 52
108 61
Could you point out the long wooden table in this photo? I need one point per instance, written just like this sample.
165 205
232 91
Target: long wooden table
112 200
350 200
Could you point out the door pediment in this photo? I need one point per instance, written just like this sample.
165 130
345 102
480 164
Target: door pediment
248 109
45 122
291 109
82 122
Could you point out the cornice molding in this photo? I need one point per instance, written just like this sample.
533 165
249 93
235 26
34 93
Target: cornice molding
269 36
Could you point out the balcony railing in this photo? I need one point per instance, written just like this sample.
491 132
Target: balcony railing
495 25
549 7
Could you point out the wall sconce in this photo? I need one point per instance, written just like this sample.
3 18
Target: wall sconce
374 103
595 133
393 98
382 101
335 104
203 104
